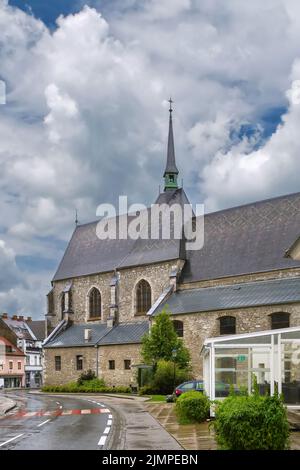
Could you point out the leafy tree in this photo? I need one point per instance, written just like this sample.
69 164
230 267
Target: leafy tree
162 341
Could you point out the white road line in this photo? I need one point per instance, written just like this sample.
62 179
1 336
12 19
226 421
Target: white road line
44 422
109 422
12 439
85 412
102 440
109 416
106 430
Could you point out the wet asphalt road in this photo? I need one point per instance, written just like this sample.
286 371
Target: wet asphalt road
55 423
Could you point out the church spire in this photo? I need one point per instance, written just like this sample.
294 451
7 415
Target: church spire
171 171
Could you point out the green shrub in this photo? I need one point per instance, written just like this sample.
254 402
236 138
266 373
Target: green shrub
73 387
87 375
148 390
92 384
163 380
251 423
192 407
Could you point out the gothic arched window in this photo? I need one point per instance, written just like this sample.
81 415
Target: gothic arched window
178 327
94 303
280 320
143 297
227 325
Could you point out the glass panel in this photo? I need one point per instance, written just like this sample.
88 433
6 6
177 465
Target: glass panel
237 367
290 372
265 339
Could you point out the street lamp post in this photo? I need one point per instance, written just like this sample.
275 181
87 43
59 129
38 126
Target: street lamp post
174 354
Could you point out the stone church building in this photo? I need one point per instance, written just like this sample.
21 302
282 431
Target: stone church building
106 293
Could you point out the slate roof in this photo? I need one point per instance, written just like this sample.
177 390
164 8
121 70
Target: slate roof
171 163
38 329
246 239
87 254
19 327
271 292
124 333
74 335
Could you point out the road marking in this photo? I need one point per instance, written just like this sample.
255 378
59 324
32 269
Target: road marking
102 440
109 422
12 439
60 412
44 422
106 430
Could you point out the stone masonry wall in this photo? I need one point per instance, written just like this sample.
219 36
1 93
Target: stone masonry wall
225 281
200 326
68 372
118 353
156 274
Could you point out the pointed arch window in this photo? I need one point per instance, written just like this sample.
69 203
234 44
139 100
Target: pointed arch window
94 303
143 297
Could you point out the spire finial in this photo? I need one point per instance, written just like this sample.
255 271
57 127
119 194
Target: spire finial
76 217
171 170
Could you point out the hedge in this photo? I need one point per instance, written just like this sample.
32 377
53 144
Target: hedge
73 387
251 423
192 407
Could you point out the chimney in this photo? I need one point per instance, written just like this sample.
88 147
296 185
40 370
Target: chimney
4 315
14 317
29 318
110 322
87 334
21 318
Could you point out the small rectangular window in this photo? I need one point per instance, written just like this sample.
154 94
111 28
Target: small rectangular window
79 362
11 365
111 365
127 364
19 365
57 362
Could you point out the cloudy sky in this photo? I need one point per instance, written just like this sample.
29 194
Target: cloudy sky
85 117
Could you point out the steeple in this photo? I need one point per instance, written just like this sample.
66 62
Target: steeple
171 171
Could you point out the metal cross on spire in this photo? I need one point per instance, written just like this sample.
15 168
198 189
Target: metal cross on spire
170 101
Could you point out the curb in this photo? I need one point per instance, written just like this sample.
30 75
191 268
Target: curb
10 407
112 395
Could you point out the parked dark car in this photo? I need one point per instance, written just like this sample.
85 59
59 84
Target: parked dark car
222 389
189 386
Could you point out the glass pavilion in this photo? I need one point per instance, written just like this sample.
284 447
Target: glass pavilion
272 356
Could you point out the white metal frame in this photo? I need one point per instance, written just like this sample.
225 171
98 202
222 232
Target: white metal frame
211 346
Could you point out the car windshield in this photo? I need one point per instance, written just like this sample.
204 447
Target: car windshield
187 386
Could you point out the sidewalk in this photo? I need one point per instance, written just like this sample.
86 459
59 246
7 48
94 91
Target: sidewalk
189 436
6 404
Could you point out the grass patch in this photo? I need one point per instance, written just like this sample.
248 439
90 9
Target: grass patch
158 398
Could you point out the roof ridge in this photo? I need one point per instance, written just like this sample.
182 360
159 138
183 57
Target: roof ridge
225 286
260 201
